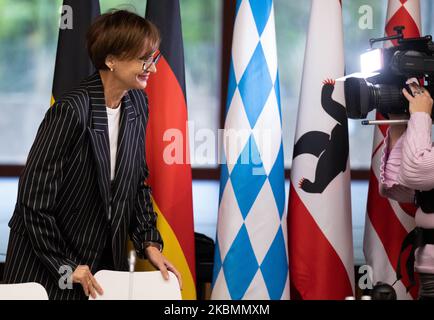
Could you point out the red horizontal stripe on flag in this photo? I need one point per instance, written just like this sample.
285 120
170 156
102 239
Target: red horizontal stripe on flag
316 271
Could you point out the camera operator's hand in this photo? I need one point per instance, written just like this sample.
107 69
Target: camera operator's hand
420 100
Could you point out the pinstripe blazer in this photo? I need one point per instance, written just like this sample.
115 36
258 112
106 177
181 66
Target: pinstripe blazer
67 207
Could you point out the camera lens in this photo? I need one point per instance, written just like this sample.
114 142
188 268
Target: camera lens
357 97
390 99
361 97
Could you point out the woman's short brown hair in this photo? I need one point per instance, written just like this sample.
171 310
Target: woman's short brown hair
122 34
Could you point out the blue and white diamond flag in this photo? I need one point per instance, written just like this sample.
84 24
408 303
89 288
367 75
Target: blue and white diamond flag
251 246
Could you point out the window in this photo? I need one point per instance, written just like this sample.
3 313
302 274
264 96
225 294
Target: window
201 26
28 40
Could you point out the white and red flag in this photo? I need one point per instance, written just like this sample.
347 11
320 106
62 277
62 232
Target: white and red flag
320 240
387 221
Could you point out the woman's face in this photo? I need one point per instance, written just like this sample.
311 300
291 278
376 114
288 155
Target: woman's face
134 73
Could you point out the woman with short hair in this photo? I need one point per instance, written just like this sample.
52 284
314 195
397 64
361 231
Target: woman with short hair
83 191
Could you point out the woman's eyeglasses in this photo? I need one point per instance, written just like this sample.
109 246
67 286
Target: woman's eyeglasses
147 64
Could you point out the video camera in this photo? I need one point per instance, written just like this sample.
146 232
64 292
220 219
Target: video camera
382 90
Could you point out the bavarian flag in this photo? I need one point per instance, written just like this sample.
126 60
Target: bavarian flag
167 152
72 60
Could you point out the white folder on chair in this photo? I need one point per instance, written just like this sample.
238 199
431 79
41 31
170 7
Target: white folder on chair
148 285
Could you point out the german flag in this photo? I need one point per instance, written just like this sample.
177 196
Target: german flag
171 183
72 60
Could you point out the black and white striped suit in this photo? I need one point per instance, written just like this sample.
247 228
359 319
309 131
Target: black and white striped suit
67 209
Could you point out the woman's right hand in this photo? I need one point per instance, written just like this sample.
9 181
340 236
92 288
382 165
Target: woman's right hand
420 100
83 276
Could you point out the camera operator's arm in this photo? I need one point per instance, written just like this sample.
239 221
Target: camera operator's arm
395 132
391 164
417 168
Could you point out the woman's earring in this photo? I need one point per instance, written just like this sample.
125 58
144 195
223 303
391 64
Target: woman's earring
111 69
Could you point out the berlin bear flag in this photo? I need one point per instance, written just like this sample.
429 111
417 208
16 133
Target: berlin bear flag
387 221
320 243
250 257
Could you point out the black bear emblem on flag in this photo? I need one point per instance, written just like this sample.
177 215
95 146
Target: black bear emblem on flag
330 149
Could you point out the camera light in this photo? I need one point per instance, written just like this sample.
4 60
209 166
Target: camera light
371 61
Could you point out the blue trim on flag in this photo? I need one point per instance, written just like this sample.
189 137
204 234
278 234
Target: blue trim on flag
275 267
277 181
240 265
248 176
261 12
277 91
255 85
232 86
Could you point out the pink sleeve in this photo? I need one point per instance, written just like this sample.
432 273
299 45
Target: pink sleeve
390 168
417 166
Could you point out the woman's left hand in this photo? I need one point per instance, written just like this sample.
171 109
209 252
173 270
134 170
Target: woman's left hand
420 101
160 262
